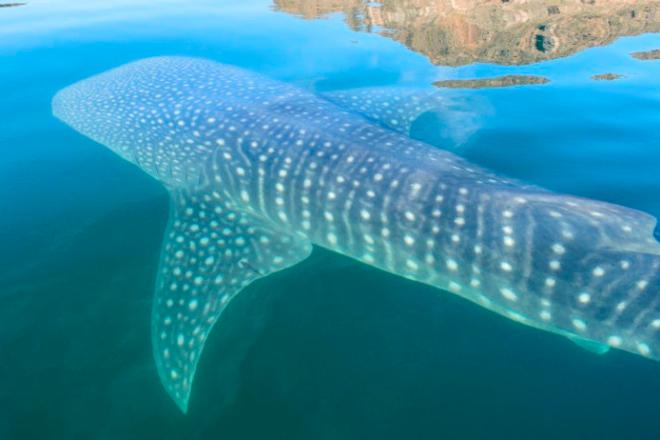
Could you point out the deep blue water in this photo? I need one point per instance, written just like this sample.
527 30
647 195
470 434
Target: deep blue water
329 349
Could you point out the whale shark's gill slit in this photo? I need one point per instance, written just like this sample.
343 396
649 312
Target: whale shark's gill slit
211 251
244 264
656 232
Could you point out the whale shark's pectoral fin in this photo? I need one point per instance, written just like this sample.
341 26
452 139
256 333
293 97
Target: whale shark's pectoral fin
211 251
397 108
589 345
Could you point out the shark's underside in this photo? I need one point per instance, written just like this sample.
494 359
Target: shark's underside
260 170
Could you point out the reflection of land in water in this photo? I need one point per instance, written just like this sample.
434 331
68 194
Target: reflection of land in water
458 32
607 76
648 55
500 81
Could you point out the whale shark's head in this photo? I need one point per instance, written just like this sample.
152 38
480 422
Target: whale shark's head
151 112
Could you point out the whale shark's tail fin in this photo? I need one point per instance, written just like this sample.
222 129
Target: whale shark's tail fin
211 251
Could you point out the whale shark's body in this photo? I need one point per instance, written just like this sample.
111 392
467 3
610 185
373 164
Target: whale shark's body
260 170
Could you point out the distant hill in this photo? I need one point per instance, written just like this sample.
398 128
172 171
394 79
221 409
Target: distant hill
458 32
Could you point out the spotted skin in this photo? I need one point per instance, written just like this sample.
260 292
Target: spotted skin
260 170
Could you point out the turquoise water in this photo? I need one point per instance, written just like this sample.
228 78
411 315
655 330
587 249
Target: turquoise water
330 349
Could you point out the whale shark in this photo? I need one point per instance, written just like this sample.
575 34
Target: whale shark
259 171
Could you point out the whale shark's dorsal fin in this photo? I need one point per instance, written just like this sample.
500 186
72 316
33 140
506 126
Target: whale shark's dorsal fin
211 251
397 108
